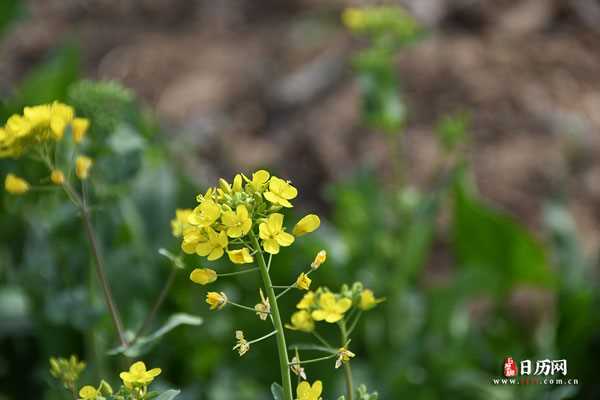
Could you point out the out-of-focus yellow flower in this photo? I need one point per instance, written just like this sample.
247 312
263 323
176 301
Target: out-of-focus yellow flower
207 213
272 234
213 246
330 309
242 345
216 300
301 321
138 375
319 259
307 224
82 167
15 185
344 356
66 370
305 391
280 192
180 222
354 18
307 301
240 256
57 177
237 223
263 309
203 276
18 126
80 127
88 393
367 300
303 281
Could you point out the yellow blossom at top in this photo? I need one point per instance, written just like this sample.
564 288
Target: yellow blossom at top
82 167
207 213
367 300
80 127
305 391
240 256
307 301
319 259
301 321
203 276
88 393
238 223
216 300
213 245
303 281
138 375
15 185
272 234
180 222
280 192
330 309
308 224
57 177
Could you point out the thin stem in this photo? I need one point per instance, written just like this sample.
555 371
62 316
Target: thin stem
285 291
159 301
286 380
354 323
268 335
238 272
314 360
244 307
347 368
322 340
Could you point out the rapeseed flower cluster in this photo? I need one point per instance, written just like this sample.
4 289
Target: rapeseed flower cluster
380 20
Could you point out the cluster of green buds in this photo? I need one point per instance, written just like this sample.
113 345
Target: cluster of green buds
67 371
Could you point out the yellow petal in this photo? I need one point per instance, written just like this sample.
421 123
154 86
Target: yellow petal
308 224
203 276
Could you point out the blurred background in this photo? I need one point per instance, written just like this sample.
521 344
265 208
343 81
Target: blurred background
454 164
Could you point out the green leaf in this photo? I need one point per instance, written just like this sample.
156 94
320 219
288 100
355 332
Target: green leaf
176 260
169 394
145 343
277 391
494 250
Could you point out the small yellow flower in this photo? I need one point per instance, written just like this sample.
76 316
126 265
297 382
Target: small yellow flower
367 300
138 375
88 393
15 185
213 245
259 179
237 185
207 213
80 127
280 192
303 281
263 309
297 368
319 259
305 391
330 309
18 126
203 276
240 256
216 300
307 224
354 18
344 356
272 234
242 345
82 167
180 222
57 177
237 223
301 321
307 301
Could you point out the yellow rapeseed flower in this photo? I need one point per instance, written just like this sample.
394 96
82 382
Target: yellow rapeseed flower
15 185
213 245
237 223
80 127
307 301
207 213
240 256
259 179
354 18
303 281
367 300
203 276
88 393
272 234
305 391
330 309
307 224
192 236
319 259
57 177
216 300
138 375
180 222
82 167
301 321
280 192
344 356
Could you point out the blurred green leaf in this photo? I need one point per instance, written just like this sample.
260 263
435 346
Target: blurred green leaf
168 395
14 310
177 261
277 391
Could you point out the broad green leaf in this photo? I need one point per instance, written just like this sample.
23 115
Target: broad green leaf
145 343
277 391
168 395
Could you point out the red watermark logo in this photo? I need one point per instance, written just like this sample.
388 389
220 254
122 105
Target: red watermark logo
540 372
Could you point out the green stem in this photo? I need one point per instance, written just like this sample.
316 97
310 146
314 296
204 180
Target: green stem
347 368
314 360
286 380
238 272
